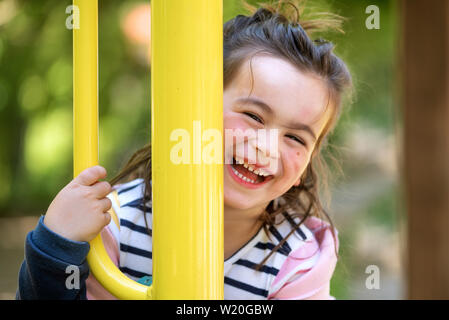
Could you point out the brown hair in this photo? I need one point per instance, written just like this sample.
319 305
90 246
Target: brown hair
278 28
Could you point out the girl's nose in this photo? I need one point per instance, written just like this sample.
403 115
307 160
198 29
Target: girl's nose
266 152
266 146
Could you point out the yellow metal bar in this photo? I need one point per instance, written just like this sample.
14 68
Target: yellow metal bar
85 87
85 124
111 278
187 93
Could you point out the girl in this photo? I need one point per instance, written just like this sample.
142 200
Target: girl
276 246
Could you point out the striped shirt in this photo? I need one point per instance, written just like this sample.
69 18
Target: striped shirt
300 269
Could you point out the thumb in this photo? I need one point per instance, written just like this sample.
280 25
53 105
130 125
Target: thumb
90 175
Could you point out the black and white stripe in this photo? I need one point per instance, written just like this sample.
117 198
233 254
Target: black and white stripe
241 280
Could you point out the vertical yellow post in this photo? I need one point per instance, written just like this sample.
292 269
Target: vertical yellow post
85 87
85 140
187 94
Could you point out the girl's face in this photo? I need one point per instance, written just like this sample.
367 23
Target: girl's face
286 100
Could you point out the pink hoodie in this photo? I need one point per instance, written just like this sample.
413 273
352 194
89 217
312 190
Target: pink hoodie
296 282
305 274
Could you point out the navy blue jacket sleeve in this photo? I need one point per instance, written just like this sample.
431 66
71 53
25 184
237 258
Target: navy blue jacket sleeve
52 267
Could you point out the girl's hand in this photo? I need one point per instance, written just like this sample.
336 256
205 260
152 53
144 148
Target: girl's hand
79 210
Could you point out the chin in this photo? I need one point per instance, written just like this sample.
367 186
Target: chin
238 201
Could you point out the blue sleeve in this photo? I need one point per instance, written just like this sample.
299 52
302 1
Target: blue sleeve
52 267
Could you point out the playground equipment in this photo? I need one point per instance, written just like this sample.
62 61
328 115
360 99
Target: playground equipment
187 86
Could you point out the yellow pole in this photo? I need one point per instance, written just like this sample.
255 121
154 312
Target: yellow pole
85 87
85 126
187 94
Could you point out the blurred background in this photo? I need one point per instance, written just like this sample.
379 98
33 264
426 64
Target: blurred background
36 127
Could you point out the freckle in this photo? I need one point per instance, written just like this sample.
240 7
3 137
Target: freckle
297 153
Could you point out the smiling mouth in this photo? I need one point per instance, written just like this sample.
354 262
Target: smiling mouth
248 173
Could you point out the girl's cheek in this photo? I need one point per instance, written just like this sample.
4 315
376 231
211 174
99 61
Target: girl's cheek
234 122
230 125
295 160
234 126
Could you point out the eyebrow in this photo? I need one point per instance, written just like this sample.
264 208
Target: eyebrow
269 110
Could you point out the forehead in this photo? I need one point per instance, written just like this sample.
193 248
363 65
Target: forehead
293 94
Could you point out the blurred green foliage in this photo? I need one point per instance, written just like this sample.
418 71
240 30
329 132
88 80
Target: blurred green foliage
36 100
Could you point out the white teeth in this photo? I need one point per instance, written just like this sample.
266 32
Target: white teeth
252 168
241 176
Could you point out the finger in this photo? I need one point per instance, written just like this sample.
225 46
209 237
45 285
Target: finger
107 218
101 189
105 204
90 175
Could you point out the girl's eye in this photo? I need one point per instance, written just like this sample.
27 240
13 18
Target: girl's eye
253 116
295 138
